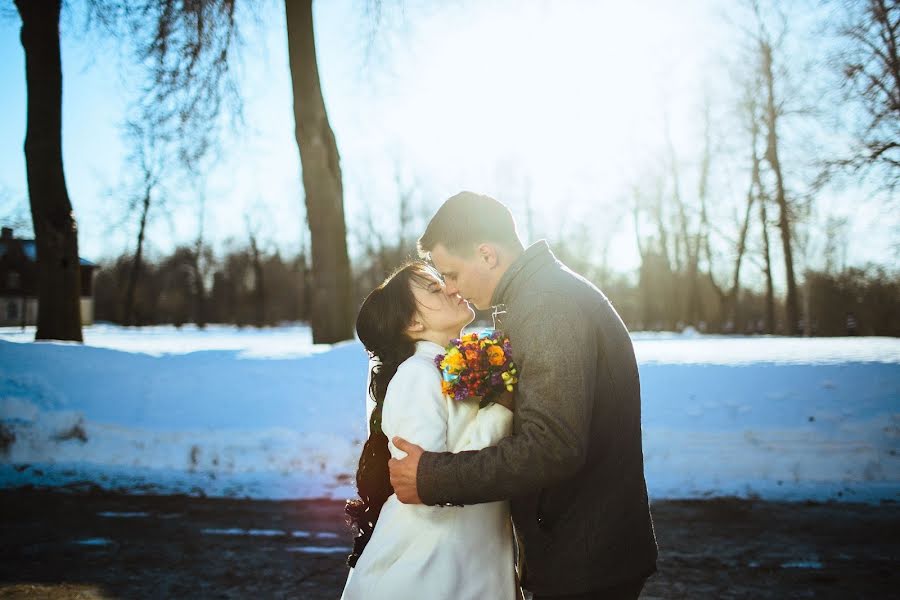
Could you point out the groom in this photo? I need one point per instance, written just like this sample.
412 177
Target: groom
573 469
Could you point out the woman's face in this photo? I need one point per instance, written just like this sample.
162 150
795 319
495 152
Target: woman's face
439 314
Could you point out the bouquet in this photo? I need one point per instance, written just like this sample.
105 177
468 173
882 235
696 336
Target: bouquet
477 366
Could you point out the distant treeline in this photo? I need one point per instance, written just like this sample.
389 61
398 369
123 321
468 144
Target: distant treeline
249 288
240 287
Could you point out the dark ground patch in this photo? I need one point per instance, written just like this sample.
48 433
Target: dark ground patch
59 545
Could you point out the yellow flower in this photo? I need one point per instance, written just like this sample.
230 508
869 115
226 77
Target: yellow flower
454 361
445 387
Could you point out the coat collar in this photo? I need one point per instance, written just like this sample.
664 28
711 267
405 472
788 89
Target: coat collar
517 275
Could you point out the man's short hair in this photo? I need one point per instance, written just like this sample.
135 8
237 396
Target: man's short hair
468 219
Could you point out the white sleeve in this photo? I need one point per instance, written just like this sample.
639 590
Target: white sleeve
490 425
415 409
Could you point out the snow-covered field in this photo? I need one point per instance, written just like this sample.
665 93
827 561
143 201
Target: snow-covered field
266 414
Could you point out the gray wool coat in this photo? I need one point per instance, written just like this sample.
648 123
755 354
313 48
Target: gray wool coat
573 469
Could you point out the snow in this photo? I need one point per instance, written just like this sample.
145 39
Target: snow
287 341
267 414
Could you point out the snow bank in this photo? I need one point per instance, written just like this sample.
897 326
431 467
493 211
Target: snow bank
266 414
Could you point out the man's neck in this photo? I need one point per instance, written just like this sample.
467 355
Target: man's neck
507 258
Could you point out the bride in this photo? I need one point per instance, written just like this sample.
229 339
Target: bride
415 551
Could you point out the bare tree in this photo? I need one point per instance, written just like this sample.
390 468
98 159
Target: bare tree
259 286
772 113
14 210
186 50
767 263
186 47
387 243
836 244
657 298
754 191
148 160
322 182
870 69
201 263
55 229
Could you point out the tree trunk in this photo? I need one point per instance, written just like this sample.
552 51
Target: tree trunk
784 219
55 229
259 289
696 303
754 190
734 293
770 288
199 287
688 305
637 225
136 263
663 232
331 305
198 273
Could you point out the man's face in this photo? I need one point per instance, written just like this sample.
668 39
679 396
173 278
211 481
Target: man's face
470 276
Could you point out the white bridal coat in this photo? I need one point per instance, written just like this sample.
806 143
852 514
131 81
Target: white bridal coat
436 552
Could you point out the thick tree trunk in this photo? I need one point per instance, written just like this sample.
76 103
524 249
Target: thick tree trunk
784 219
55 229
331 305
135 271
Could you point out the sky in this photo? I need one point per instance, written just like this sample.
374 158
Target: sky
556 106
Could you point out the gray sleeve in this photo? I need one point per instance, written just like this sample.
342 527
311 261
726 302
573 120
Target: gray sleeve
555 352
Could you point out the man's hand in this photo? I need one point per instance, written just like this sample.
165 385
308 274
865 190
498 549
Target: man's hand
506 399
403 472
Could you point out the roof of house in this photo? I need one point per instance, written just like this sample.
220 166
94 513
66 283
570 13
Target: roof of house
30 250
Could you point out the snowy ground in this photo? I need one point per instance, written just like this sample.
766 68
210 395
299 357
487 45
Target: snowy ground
266 414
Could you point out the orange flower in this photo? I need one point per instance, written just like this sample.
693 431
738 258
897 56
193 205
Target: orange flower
446 388
496 356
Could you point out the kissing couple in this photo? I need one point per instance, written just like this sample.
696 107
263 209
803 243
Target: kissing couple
540 490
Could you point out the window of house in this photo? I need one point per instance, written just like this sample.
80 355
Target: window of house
12 280
12 310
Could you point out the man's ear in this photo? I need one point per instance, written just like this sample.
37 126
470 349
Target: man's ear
487 255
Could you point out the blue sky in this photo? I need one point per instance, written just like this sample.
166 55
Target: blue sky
554 105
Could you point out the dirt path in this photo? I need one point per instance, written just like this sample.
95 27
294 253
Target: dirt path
98 545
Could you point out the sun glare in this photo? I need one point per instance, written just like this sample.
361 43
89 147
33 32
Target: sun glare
569 96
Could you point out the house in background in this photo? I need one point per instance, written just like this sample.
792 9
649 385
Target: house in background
18 282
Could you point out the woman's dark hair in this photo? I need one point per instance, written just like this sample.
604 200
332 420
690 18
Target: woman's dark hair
381 326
